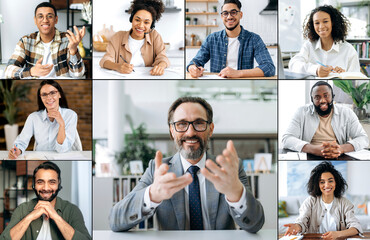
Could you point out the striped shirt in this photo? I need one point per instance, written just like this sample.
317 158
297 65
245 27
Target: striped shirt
30 49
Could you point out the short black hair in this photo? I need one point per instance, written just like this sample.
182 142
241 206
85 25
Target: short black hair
46 4
47 166
63 100
237 2
340 24
313 187
155 7
321 83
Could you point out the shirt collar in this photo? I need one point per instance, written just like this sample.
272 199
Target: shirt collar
185 164
334 47
242 35
56 39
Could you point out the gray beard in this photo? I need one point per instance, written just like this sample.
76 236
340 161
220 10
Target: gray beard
191 153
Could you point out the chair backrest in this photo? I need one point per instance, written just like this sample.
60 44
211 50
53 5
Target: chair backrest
77 145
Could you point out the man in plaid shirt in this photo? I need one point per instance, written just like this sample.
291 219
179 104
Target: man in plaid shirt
47 53
232 51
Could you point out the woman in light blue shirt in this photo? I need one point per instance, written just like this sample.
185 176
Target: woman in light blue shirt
53 125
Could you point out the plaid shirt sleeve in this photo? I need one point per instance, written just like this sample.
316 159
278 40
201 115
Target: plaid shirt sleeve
203 55
16 67
76 65
263 57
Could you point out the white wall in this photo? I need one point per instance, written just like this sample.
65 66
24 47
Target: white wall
358 177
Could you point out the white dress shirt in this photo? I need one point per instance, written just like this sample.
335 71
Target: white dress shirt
239 207
341 54
39 125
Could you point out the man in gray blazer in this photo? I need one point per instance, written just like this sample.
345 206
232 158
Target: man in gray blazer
213 197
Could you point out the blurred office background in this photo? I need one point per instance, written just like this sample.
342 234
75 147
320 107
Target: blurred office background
16 187
292 14
244 111
14 27
204 18
294 175
296 93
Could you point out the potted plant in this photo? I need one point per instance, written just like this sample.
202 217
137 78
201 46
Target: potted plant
214 8
11 94
360 95
136 148
187 20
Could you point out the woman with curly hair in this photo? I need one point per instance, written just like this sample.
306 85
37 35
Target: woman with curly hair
326 30
142 46
326 211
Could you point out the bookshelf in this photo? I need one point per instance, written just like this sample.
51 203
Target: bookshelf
362 47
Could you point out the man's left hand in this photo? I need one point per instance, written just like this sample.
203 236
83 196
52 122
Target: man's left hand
225 177
331 149
229 72
75 39
48 207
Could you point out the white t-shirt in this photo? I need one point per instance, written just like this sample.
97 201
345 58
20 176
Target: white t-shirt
135 48
233 53
328 221
44 233
47 59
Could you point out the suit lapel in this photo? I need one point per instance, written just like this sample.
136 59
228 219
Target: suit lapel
178 199
212 200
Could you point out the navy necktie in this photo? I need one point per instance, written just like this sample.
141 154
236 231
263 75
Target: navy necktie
195 208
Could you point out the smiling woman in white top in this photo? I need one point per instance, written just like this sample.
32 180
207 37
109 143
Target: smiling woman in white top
53 125
326 49
326 211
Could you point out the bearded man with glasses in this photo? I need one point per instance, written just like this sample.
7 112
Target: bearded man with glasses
191 190
232 51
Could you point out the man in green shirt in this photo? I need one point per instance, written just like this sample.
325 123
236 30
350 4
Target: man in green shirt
47 216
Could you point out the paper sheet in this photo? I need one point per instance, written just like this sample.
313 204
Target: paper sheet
293 156
144 73
210 77
360 155
69 156
292 237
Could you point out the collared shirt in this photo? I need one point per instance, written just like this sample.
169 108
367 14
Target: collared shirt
68 211
30 49
239 207
341 54
345 123
215 47
39 125
153 50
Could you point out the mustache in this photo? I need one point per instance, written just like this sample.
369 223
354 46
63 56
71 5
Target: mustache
185 138
45 191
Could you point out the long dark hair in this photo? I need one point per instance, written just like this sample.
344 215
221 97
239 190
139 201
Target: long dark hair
63 100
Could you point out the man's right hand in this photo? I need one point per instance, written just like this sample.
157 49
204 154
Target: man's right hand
313 149
165 183
124 68
36 213
293 229
195 71
40 70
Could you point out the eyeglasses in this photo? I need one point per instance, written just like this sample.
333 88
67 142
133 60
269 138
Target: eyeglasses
198 125
48 16
52 94
232 13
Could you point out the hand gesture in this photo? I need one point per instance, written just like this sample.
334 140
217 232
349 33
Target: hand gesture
229 72
331 149
37 213
14 153
158 70
165 183
330 235
339 69
40 70
48 207
55 114
75 39
195 71
324 71
225 177
293 229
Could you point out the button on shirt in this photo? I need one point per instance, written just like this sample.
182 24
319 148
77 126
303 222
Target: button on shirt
341 54
39 125
239 207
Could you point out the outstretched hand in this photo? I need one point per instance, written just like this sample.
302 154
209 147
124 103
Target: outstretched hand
75 39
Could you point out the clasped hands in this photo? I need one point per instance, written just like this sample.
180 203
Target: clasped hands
224 177
43 207
331 149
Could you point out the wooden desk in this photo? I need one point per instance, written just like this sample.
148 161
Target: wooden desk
315 236
209 74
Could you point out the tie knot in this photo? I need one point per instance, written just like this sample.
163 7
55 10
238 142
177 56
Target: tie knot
193 170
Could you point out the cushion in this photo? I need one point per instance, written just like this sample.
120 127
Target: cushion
282 209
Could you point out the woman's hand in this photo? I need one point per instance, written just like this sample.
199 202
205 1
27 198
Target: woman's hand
124 68
324 71
14 153
293 229
158 70
55 114
339 69
332 235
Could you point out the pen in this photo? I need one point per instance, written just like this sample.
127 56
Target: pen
126 62
323 65
196 65
15 146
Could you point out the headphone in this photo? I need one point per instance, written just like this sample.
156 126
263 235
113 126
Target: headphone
151 26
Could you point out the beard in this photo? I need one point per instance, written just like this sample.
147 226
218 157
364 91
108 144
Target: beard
326 112
231 28
191 153
51 198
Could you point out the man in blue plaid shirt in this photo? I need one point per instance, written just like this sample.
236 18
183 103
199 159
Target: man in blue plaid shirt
232 50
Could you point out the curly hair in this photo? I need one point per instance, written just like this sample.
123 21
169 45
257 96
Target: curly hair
340 24
313 187
155 7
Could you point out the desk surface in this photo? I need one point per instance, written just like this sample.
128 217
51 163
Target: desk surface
50 155
315 236
179 235
208 75
314 157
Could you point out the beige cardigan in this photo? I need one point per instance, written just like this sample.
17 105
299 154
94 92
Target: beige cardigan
153 50
312 212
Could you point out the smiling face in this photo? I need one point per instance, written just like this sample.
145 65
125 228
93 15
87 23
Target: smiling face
191 144
322 24
46 184
231 22
141 23
322 99
45 21
327 184
50 97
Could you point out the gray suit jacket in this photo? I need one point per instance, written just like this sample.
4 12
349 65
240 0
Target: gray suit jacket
171 213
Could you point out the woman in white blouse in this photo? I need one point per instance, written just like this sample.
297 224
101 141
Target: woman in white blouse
326 211
53 125
326 49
